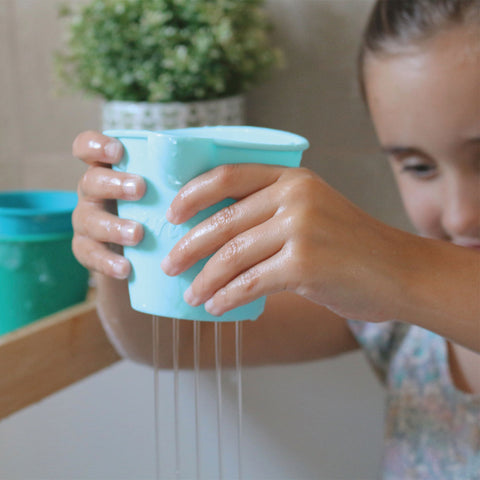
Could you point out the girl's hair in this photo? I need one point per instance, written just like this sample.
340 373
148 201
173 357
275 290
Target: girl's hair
394 24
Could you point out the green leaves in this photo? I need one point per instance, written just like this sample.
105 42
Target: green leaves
166 50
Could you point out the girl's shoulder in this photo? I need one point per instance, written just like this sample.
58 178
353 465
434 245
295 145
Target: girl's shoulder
380 342
432 429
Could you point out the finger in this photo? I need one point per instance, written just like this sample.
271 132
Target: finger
99 183
262 279
97 257
209 235
237 256
93 148
227 181
101 226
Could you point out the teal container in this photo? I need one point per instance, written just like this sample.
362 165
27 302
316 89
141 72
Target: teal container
168 160
38 273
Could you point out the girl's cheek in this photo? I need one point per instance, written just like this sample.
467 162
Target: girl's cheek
425 223
424 212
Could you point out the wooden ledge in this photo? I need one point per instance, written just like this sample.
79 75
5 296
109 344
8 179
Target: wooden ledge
51 354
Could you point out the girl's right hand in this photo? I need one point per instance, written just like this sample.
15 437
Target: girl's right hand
95 223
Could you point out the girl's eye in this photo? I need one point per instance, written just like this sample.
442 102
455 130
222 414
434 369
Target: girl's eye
419 170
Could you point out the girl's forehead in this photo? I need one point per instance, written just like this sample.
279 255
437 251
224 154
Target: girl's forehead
430 93
448 48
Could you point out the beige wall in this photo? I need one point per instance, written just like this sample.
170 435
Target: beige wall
38 125
315 95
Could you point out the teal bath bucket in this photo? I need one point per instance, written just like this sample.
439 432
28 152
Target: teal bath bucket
38 273
168 160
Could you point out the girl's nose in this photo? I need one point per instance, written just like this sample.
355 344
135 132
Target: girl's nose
461 213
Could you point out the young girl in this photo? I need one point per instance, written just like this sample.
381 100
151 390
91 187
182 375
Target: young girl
321 260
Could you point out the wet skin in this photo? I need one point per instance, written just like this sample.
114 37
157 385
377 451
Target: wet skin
319 257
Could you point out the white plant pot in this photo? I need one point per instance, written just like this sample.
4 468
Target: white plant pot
164 116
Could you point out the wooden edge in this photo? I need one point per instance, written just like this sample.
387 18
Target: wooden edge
50 354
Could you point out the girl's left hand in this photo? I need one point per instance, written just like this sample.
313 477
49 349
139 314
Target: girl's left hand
288 231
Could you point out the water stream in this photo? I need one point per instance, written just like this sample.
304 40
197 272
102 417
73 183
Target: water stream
218 370
238 372
156 400
176 399
156 345
196 362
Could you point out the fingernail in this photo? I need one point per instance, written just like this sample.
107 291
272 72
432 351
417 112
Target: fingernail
94 145
167 266
113 149
128 231
120 270
169 215
211 308
130 187
190 298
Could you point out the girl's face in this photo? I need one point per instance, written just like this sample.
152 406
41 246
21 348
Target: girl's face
425 105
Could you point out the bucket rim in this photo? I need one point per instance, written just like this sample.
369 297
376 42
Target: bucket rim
33 196
34 237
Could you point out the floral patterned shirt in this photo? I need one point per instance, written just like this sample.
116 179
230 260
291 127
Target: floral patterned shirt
432 429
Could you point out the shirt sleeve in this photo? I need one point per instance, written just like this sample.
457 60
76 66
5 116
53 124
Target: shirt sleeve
379 341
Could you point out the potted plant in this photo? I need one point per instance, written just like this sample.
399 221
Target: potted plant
162 64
